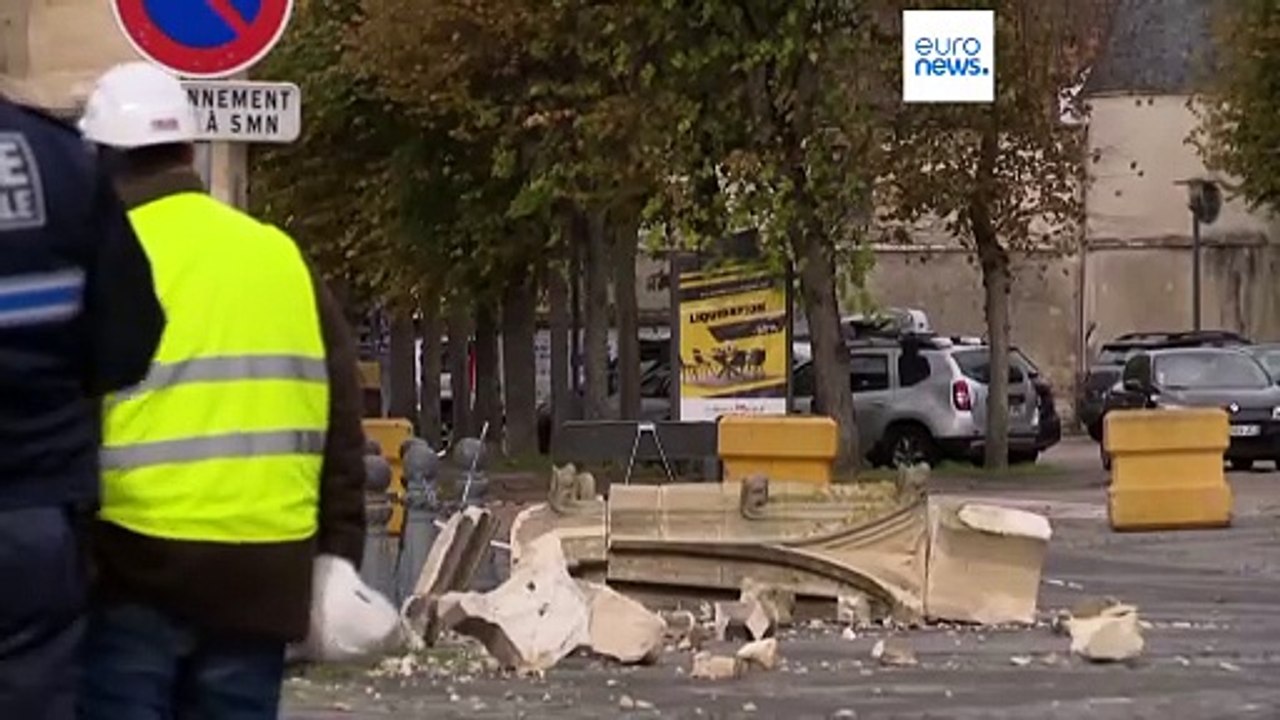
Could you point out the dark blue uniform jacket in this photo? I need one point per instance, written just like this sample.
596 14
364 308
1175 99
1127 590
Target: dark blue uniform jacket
78 312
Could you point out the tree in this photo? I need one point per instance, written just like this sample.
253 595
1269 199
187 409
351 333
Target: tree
334 189
774 132
1239 110
1006 177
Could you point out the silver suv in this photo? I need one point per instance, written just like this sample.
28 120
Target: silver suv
925 400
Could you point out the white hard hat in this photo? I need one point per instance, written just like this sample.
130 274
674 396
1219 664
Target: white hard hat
137 104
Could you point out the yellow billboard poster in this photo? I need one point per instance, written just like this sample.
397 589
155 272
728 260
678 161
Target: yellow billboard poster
734 354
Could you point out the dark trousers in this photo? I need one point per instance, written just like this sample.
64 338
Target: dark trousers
42 595
141 664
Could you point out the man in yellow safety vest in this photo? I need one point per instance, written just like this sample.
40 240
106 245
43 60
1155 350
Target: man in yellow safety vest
235 461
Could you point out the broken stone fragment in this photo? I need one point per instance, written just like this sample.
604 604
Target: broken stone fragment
894 652
743 620
531 621
1113 635
984 563
779 604
853 610
761 653
679 624
622 628
715 667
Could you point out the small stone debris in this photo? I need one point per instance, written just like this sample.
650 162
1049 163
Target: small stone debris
626 703
744 620
894 652
779 604
848 634
761 653
715 667
1229 667
853 610
1020 660
749 707
845 714
1113 635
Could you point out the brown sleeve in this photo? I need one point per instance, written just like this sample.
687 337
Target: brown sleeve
342 479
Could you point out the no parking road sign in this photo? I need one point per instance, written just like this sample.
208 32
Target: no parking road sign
203 38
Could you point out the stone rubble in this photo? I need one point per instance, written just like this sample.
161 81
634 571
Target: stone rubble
621 628
761 653
715 667
531 621
1111 635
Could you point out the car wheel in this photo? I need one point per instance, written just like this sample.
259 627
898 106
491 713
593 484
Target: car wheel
909 444
1025 457
1240 465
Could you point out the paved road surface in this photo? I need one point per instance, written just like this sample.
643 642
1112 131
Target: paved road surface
1213 651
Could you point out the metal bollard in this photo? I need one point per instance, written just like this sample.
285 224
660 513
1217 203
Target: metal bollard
421 467
380 548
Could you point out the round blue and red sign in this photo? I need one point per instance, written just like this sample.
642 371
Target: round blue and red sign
203 38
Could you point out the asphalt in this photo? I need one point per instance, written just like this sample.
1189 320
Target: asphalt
1211 599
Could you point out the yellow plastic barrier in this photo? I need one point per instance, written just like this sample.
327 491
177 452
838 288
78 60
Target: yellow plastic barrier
786 448
389 433
1166 468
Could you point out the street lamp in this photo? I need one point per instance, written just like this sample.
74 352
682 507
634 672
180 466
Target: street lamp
1204 199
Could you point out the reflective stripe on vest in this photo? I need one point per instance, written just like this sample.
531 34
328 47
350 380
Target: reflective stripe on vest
224 438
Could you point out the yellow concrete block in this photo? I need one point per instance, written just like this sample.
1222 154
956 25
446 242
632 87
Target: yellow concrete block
389 433
788 448
1166 469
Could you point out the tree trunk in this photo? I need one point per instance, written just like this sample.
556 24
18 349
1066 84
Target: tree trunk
488 372
431 367
561 390
402 401
577 232
994 261
460 368
996 281
596 341
624 297
519 364
830 354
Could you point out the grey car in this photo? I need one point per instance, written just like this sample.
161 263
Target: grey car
1208 377
1104 372
926 401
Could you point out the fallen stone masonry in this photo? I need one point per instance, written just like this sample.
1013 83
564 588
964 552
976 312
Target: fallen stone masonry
904 559
761 653
716 667
984 563
531 621
621 628
451 564
1114 634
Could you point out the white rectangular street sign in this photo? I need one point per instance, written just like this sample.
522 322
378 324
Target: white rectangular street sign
250 112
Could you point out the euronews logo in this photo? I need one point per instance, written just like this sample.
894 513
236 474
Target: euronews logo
948 56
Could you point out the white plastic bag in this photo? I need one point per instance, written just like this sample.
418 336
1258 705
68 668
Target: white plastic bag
349 620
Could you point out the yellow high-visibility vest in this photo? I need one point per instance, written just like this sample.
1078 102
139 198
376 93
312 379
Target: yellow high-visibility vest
223 440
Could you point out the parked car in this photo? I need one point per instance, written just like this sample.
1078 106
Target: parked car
924 399
1104 372
1208 377
1050 422
1269 355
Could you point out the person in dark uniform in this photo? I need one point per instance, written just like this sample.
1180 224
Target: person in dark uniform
79 318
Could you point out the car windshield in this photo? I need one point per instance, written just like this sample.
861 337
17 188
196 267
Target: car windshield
1270 359
1209 369
976 365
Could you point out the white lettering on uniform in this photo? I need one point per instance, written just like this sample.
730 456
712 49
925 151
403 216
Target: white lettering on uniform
21 193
